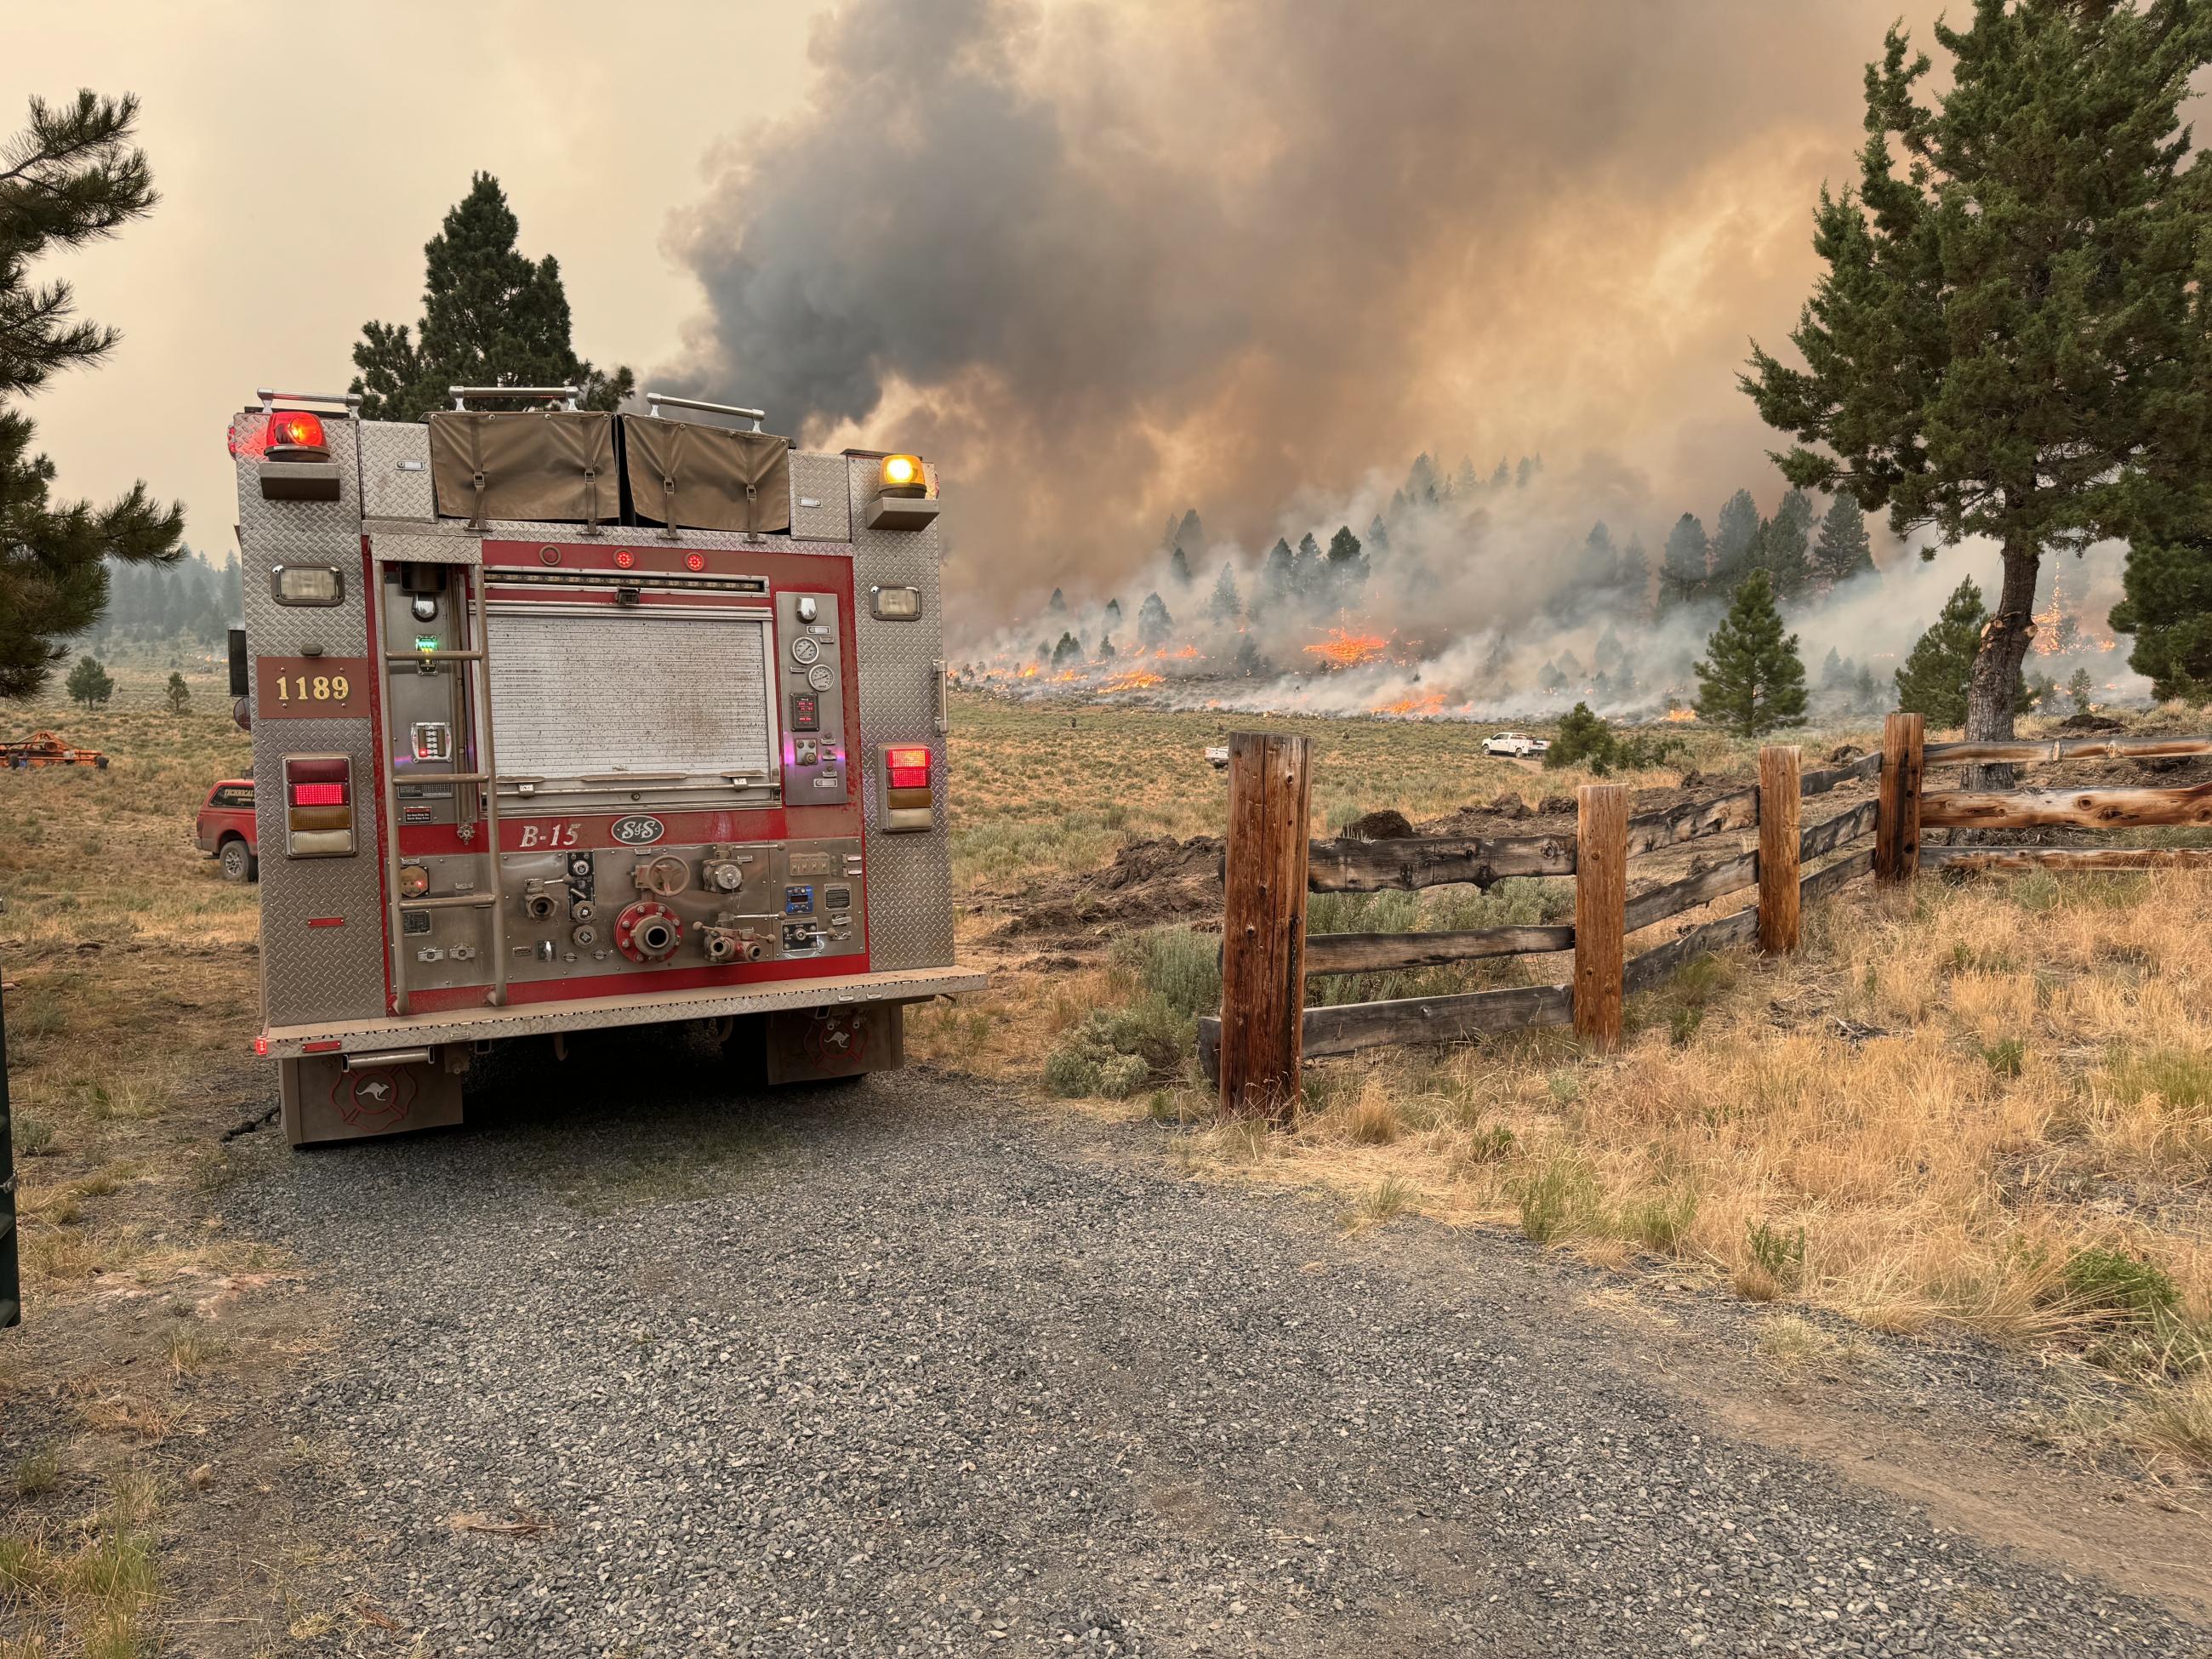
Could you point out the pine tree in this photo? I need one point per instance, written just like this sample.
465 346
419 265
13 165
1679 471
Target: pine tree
1866 691
1190 533
1631 577
1752 680
1378 539
2001 344
1278 577
1525 474
491 316
1842 551
177 694
1599 560
1939 671
1583 740
2168 609
1178 568
1057 605
1106 648
1501 476
1155 627
1682 564
1735 537
1784 549
1550 678
71 178
1464 482
88 682
1224 606
1113 613
1309 575
2077 687
1347 567
1067 651
1421 481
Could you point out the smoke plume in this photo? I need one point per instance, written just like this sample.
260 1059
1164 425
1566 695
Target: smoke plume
1101 261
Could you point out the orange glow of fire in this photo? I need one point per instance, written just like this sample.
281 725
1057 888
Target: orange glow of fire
1682 716
1029 671
1179 654
1417 703
1342 648
1134 679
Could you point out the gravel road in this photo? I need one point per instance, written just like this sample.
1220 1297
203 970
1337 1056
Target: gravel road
905 1369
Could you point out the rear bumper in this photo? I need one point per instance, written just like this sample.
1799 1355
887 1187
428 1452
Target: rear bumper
538 1019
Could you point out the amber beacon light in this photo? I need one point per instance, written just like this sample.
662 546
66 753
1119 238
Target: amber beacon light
903 475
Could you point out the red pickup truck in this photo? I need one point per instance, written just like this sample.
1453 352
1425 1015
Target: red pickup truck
225 828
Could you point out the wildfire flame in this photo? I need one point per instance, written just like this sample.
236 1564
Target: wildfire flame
1342 648
1417 703
1134 679
1682 716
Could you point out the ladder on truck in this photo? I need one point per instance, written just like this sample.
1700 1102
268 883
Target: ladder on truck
472 694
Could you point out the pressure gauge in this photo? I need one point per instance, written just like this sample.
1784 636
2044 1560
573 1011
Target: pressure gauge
821 677
806 649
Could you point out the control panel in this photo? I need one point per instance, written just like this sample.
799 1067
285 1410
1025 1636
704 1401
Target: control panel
621 911
810 679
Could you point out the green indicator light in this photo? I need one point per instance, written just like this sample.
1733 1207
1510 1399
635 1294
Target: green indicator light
425 643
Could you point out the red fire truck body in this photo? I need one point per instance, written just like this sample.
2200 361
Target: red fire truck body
566 721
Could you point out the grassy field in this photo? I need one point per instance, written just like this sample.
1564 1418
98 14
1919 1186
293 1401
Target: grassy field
131 1000
1984 1107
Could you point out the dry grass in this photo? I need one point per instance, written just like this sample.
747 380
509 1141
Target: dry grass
1985 1108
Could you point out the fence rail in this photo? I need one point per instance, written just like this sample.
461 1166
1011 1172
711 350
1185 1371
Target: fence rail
1265 1030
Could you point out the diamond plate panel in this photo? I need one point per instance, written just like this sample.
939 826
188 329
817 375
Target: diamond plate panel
820 478
395 470
336 970
910 875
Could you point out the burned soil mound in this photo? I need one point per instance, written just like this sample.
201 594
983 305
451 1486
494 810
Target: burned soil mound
1150 882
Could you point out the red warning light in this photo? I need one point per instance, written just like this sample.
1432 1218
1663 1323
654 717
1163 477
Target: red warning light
908 767
695 562
296 428
318 794
625 560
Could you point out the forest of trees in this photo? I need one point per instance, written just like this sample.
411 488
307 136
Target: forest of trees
191 603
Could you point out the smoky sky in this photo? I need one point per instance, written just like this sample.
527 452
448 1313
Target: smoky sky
1102 262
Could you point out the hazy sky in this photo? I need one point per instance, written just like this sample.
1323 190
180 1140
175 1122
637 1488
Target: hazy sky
1101 261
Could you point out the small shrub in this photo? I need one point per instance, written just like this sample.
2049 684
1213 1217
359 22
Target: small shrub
1682 1025
1115 1052
2116 1283
1181 967
2177 1421
34 1137
1660 1222
1777 1255
1555 1200
1385 1199
38 1474
1491 1145
2182 1077
2005 1058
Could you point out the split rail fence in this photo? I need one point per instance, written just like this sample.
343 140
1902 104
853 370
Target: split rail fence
1265 1031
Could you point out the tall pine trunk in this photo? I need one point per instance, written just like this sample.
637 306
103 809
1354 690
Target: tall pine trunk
1996 684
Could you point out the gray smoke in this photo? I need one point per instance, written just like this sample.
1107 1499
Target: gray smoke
1101 261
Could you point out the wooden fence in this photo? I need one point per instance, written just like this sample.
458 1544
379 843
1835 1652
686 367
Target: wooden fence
1265 1030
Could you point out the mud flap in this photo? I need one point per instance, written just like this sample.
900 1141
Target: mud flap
324 1102
805 1045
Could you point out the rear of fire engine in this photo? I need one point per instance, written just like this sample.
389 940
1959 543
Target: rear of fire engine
566 721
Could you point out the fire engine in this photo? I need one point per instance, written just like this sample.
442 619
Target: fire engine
565 720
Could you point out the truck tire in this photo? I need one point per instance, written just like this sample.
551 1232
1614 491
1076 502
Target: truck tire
238 861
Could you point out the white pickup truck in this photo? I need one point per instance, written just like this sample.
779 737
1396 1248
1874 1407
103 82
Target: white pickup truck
1517 745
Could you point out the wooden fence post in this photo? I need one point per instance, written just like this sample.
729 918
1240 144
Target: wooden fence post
1601 910
1263 932
1897 822
1779 772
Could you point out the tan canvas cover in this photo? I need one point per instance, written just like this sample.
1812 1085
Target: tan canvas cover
531 464
707 478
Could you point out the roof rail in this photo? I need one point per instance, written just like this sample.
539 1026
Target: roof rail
654 399
461 394
350 399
